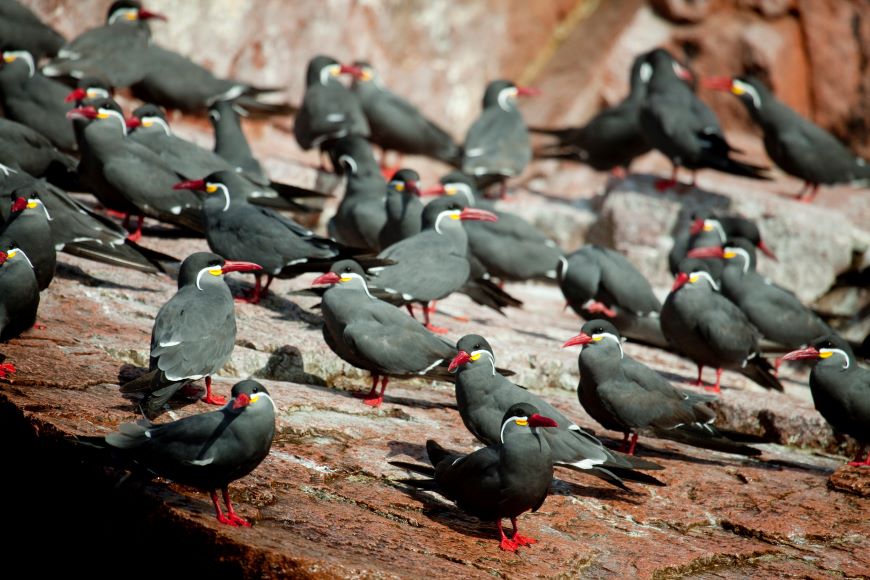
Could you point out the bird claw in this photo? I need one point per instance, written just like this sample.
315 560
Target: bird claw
712 388
859 463
508 545
214 400
135 236
600 308
521 540
233 520
436 329
374 402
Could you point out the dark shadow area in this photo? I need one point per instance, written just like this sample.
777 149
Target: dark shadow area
287 364
75 273
287 309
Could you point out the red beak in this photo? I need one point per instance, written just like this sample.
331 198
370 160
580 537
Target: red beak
413 187
347 69
712 252
75 95
697 227
20 204
433 190
765 249
537 420
230 266
133 122
242 401
148 15
193 184
328 278
82 113
717 83
3 258
460 359
482 215
581 338
681 280
801 354
528 92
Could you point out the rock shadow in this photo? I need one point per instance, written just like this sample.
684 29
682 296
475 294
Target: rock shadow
75 273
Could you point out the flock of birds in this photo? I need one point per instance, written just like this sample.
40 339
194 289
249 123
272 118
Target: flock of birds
387 251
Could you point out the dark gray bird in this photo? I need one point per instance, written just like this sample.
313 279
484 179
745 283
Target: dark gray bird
432 264
680 126
706 327
208 451
230 142
772 309
708 231
599 281
19 26
149 126
30 98
361 214
397 125
497 144
194 332
127 176
329 110
840 389
373 335
238 230
502 480
611 139
26 221
510 249
797 145
31 151
19 296
625 395
483 394
403 207
112 51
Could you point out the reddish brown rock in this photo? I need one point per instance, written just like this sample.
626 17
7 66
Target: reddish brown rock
855 480
683 11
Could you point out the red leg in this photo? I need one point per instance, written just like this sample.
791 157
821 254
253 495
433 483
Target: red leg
38 326
116 214
253 297
429 325
212 399
376 401
521 540
633 443
858 462
506 543
410 308
137 234
6 369
715 388
624 445
595 307
665 184
231 513
371 393
811 195
776 364
699 382
219 514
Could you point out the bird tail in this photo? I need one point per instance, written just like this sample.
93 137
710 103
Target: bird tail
258 108
727 164
760 371
706 437
156 389
426 470
295 192
487 293
129 435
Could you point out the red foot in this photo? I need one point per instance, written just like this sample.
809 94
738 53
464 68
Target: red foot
436 329
374 402
6 369
599 308
712 388
858 462
135 236
665 184
214 399
116 214
39 326
233 520
508 545
521 540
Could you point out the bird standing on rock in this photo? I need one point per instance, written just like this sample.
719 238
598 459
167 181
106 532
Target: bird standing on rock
27 223
797 145
483 394
194 332
19 296
840 389
503 480
706 327
373 335
625 395
210 450
497 144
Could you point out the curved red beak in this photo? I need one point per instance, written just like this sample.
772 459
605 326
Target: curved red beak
460 359
712 252
413 187
537 420
581 338
193 184
765 249
148 15
355 71
697 227
681 280
433 190
471 213
230 266
242 401
801 354
75 95
20 204
717 83
82 113
528 92
328 278
133 122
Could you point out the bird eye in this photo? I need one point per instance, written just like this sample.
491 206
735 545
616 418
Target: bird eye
347 269
476 346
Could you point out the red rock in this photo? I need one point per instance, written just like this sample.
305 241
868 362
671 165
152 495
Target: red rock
682 11
851 479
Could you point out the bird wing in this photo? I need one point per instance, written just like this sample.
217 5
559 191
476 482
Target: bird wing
627 287
497 143
147 183
727 327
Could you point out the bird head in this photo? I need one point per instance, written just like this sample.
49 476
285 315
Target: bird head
694 271
130 11
405 180
596 332
147 116
206 268
503 93
748 89
730 227
220 185
829 347
89 88
523 418
247 393
100 110
474 351
10 56
343 272
455 183
450 210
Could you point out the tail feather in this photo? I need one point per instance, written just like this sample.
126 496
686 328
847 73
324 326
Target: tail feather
486 293
129 435
734 167
259 108
699 436
760 371
426 470
294 191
